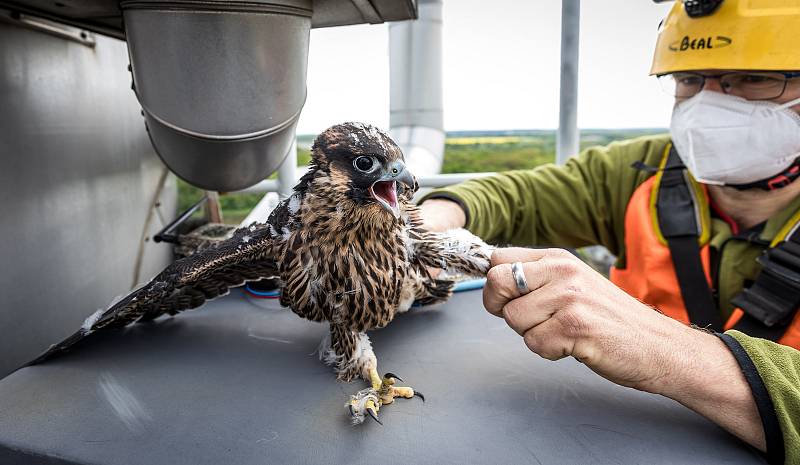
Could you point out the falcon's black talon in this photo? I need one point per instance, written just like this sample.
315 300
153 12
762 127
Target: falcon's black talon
419 394
392 375
374 416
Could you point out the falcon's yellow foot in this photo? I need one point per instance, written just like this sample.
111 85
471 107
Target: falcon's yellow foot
383 392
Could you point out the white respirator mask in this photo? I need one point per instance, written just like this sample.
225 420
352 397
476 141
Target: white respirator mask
727 140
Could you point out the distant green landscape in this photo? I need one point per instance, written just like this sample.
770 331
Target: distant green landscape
465 152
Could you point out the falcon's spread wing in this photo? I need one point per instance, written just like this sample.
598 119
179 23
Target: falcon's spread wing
249 255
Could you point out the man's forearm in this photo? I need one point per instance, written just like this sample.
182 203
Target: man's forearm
571 310
442 215
704 376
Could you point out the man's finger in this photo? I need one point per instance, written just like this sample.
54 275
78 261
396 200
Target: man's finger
518 254
548 341
501 287
533 309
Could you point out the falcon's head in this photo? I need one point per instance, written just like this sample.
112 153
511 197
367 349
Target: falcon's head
364 165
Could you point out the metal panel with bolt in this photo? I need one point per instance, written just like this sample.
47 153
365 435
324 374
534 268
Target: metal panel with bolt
81 186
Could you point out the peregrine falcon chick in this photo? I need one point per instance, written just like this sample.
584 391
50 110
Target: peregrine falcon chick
348 248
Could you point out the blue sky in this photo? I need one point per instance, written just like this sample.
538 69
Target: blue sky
501 62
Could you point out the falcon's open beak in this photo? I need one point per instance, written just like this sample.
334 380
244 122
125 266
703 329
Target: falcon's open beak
384 190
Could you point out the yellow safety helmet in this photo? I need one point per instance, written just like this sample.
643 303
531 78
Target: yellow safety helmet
729 34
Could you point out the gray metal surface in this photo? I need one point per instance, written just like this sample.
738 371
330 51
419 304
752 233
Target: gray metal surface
236 383
105 17
568 137
222 115
77 180
342 12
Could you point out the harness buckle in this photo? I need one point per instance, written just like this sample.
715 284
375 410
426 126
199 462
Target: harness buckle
775 295
778 182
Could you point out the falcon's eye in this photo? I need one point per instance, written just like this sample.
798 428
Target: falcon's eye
364 164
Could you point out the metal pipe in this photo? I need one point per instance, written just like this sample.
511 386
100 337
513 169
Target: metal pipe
260 213
287 178
287 172
442 180
415 81
568 137
267 185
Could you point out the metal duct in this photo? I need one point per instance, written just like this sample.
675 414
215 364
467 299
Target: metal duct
416 115
221 84
568 136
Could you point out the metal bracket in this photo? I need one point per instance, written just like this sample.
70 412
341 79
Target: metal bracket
168 233
368 11
47 26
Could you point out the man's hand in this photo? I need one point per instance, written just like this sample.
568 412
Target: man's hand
441 215
574 311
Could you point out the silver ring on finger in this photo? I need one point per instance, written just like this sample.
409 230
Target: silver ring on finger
519 278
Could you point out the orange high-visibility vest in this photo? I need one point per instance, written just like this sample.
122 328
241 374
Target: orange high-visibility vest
650 274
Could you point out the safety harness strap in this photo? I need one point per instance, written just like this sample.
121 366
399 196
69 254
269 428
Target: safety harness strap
769 304
680 226
772 301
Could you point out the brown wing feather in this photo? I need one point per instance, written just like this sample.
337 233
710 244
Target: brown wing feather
247 256
446 251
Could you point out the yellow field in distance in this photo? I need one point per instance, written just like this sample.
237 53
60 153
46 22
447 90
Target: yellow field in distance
483 140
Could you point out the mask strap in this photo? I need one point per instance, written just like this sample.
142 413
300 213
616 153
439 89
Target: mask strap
790 103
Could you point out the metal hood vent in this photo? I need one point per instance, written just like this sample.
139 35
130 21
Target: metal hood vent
221 84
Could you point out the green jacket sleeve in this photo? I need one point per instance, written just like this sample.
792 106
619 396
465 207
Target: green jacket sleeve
778 368
580 203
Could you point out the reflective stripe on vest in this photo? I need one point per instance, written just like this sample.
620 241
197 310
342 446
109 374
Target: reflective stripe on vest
650 274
